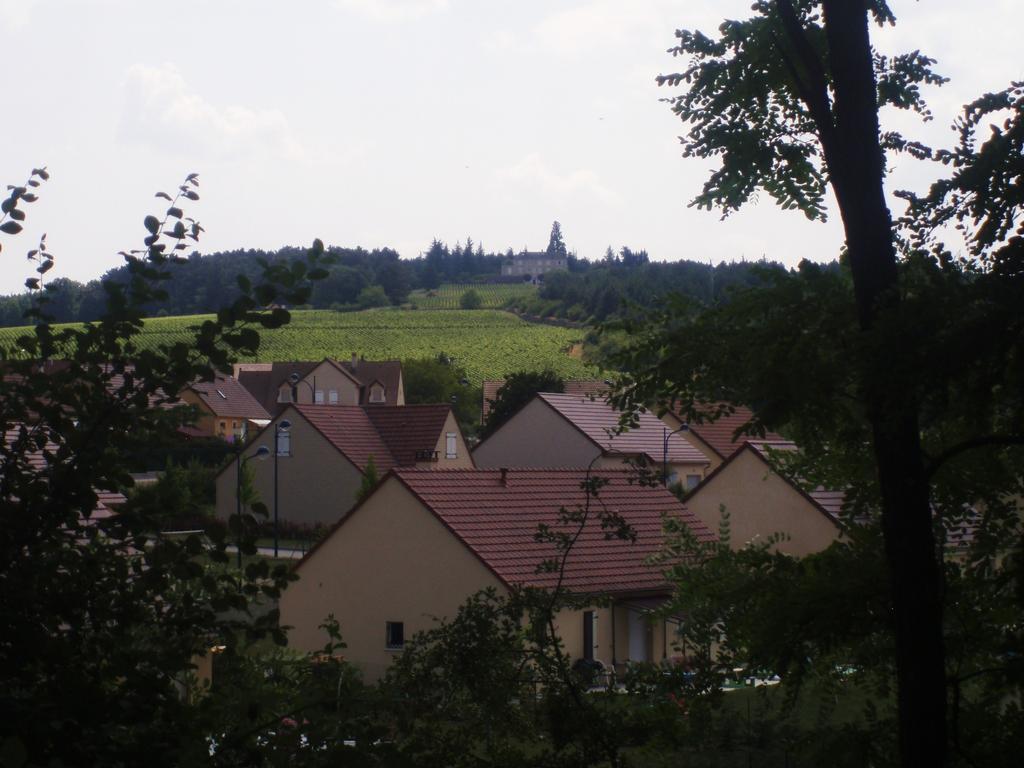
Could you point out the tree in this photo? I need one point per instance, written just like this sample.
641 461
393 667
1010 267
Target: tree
394 279
369 481
518 389
102 615
372 296
556 244
470 300
439 380
788 102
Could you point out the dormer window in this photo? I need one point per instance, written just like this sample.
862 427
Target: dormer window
376 393
284 395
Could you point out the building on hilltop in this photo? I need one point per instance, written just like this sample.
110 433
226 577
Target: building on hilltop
532 264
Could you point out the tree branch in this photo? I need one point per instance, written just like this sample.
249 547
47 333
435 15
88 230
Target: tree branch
967 445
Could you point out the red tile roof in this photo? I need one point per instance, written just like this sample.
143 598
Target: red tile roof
391 434
349 429
409 429
597 420
225 396
578 387
498 522
720 434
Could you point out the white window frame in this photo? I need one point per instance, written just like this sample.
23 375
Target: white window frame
284 442
284 395
451 445
332 397
318 397
377 394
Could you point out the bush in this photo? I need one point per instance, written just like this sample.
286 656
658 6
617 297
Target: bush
471 300
373 296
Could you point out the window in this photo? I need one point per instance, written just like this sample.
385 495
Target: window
238 430
318 397
692 481
450 446
394 635
284 442
222 428
589 634
284 395
332 397
376 394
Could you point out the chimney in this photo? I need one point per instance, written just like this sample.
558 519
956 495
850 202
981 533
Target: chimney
355 361
504 477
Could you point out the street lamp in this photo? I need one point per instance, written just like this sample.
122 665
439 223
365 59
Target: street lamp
261 453
295 380
281 428
664 450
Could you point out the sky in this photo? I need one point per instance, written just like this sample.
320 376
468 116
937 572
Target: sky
393 122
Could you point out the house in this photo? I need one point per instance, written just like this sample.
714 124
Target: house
323 452
531 264
717 439
761 502
328 382
596 388
226 409
562 430
423 542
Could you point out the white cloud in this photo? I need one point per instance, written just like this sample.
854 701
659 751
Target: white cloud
16 14
533 172
161 109
394 10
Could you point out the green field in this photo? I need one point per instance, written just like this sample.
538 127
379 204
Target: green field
487 343
494 296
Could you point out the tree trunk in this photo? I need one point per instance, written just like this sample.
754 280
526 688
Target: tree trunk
856 168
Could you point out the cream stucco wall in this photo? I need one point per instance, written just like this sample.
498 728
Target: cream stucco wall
316 484
392 560
463 459
536 436
760 503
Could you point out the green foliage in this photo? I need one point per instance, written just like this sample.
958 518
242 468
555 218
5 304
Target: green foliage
369 481
180 497
751 102
518 389
470 300
372 296
487 344
102 614
556 243
492 295
439 380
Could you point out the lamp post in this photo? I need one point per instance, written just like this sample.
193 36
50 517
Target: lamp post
280 428
295 380
261 453
664 450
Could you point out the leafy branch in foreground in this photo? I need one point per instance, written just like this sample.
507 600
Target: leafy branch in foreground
101 615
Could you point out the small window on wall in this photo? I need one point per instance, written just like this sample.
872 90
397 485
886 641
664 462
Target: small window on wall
394 635
589 635
284 395
376 394
692 481
451 446
284 443
318 397
222 428
332 397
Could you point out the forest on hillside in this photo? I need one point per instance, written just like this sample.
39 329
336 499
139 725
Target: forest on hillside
362 279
